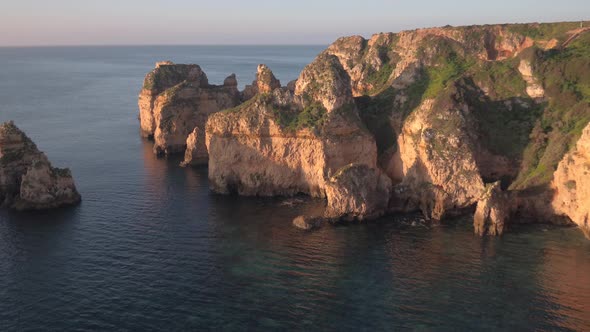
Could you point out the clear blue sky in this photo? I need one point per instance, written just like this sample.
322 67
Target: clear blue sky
114 22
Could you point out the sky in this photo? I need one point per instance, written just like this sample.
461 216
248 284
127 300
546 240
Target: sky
181 22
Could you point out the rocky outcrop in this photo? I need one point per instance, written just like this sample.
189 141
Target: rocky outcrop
438 111
533 89
571 184
194 154
440 172
357 192
265 82
27 179
493 211
176 99
280 144
325 81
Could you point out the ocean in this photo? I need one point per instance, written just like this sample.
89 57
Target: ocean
151 248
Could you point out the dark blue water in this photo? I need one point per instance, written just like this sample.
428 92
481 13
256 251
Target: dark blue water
150 248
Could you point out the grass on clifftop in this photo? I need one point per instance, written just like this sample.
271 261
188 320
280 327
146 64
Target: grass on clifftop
502 78
379 79
448 69
567 86
312 115
545 31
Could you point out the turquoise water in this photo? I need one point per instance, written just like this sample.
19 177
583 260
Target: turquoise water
150 248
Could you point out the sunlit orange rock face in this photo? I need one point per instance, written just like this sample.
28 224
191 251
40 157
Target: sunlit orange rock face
176 100
442 112
284 142
572 184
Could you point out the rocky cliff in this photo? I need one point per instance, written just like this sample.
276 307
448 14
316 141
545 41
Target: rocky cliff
282 142
175 101
572 184
444 113
455 108
27 179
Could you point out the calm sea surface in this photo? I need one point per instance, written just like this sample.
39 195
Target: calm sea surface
151 248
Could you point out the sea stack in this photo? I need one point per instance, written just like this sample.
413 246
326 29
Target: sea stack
27 179
175 101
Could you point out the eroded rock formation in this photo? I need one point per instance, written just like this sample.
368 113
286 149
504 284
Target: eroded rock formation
280 143
572 184
358 192
441 112
27 179
493 211
176 100
440 172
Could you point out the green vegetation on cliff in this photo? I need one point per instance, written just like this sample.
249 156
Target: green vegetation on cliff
545 31
564 74
312 116
534 134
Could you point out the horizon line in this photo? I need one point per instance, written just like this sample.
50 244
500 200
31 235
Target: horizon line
155 45
281 44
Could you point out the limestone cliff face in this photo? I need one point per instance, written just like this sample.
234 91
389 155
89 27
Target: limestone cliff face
195 154
454 108
325 81
357 192
279 144
387 57
163 77
533 89
572 184
437 153
175 100
441 111
27 179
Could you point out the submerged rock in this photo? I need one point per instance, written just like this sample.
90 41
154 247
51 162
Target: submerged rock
493 211
308 223
27 179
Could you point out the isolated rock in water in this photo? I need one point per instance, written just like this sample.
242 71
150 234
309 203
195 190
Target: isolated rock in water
164 76
27 179
571 184
177 98
493 211
325 81
308 223
358 192
195 154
